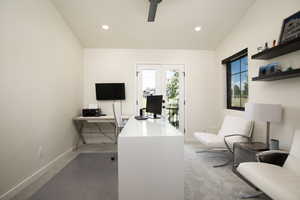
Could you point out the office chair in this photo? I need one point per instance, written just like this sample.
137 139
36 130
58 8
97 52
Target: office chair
119 123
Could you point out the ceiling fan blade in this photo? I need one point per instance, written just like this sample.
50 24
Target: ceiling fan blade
152 10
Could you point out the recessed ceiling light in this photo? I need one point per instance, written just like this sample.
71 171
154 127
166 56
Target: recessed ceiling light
198 28
105 27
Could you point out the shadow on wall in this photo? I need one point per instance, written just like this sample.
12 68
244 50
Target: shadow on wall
283 131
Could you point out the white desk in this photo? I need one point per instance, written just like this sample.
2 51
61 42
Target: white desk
80 122
150 161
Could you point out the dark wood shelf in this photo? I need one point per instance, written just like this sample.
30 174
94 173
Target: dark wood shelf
279 50
278 76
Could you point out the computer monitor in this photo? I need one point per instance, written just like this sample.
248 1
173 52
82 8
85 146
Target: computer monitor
154 104
110 91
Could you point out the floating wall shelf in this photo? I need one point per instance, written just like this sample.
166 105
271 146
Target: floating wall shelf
278 76
278 50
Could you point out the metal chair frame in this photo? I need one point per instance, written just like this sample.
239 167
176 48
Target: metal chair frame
228 149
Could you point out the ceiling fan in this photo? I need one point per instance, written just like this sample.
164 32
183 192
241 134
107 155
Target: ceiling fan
153 9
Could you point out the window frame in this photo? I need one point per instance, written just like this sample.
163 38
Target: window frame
227 62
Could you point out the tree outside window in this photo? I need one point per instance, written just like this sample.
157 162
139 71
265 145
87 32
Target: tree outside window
237 83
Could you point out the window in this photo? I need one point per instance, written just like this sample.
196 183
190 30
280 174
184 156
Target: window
237 81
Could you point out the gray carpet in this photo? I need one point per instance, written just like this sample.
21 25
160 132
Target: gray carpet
88 177
203 182
92 176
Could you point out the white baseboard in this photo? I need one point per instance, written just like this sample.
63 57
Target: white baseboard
30 179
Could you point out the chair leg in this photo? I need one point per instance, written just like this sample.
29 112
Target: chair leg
230 160
116 134
251 196
224 164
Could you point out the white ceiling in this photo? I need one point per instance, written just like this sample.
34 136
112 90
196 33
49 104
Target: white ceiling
173 28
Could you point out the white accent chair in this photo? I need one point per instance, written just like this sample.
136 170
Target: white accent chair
276 181
234 129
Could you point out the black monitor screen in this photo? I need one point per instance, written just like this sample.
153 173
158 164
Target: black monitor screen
110 91
154 104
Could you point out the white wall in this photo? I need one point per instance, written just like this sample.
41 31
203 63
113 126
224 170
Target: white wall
263 23
119 65
40 85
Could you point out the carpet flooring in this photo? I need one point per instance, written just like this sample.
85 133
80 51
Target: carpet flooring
91 176
203 182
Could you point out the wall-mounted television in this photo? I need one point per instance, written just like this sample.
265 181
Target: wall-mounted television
110 91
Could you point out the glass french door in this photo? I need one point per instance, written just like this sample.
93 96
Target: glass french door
166 80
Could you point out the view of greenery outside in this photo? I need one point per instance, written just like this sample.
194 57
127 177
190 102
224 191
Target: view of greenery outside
172 101
239 82
173 88
239 98
172 93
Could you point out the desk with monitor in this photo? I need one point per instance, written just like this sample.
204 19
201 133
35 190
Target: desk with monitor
154 106
80 122
150 161
150 155
93 115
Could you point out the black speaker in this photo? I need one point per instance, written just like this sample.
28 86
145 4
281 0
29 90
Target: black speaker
91 112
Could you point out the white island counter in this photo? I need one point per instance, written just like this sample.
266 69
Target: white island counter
150 161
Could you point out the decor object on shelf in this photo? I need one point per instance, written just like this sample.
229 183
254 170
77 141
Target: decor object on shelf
274 145
274 43
266 46
262 71
291 73
289 69
265 113
260 49
274 68
290 28
269 69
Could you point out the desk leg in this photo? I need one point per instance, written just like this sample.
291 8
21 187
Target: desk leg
100 131
80 132
79 126
116 132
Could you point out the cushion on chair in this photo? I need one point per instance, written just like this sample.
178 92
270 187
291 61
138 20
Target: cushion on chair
293 161
231 125
210 139
277 182
235 125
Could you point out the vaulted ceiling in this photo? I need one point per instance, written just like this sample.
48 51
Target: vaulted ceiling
172 29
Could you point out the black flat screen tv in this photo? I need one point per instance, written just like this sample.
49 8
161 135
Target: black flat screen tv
110 91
